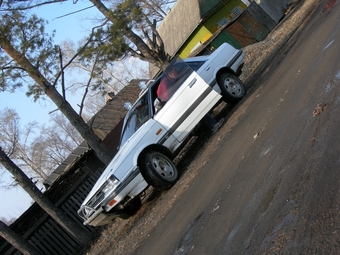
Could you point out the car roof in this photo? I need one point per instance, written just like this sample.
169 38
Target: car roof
194 59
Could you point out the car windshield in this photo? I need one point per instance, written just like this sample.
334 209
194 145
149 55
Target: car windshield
136 117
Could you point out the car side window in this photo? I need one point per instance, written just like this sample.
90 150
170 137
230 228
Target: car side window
137 116
195 65
172 78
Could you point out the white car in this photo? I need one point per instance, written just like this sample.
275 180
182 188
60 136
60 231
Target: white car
152 137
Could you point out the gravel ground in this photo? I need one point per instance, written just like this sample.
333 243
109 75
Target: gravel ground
116 237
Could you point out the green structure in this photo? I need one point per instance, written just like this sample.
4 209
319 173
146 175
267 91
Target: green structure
192 22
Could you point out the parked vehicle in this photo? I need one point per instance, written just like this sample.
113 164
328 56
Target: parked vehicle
154 132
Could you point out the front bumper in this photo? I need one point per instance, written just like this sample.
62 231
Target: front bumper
101 210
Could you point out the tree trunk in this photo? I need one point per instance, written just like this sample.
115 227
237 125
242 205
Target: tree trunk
77 121
57 214
17 241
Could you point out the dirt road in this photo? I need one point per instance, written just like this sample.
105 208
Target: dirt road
268 181
272 187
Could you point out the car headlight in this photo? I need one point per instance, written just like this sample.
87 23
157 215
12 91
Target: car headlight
110 184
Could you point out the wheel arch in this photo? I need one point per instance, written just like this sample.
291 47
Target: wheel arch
151 174
155 147
222 71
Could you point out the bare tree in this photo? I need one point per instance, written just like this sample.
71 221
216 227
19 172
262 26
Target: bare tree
52 144
37 149
15 141
102 78
106 77
10 130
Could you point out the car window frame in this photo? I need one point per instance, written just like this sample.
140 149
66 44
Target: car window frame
131 113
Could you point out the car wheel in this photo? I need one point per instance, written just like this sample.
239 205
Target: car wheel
233 89
158 170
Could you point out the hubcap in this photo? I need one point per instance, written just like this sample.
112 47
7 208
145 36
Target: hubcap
163 167
233 87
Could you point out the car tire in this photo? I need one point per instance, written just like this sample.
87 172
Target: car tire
158 170
233 89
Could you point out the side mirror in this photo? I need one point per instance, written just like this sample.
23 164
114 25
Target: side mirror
157 104
143 85
127 106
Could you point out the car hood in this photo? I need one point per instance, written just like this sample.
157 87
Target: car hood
116 165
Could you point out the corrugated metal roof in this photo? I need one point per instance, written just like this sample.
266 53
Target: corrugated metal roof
111 114
80 150
180 22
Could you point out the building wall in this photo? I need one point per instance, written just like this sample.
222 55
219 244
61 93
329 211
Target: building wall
194 41
230 10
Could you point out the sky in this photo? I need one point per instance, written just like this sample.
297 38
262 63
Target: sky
73 27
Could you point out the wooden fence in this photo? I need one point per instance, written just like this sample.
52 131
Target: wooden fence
45 233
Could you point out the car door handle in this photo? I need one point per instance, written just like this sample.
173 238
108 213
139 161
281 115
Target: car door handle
192 82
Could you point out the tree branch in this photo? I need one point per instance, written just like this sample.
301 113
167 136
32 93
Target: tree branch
87 87
34 6
62 74
78 53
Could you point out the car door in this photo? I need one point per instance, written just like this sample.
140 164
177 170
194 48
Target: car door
193 99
